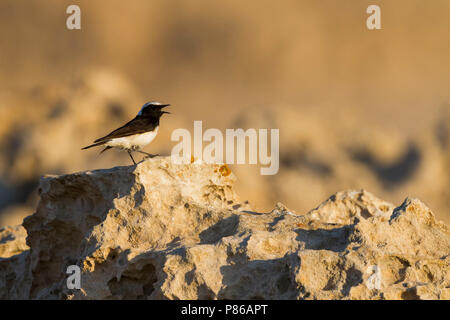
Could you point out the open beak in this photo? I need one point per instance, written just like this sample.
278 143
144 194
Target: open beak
163 106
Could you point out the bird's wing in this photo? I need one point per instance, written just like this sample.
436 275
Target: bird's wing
135 126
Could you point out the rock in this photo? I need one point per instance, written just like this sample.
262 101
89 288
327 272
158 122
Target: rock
12 241
163 231
15 276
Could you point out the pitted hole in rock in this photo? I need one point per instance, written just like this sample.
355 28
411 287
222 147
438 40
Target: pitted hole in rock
365 213
135 284
354 277
336 239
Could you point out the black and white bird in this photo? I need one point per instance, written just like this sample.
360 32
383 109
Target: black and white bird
135 134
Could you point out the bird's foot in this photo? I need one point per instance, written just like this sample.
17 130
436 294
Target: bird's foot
148 155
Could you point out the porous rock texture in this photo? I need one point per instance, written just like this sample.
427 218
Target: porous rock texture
163 231
15 275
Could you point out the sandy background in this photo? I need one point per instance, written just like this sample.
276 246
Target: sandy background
355 108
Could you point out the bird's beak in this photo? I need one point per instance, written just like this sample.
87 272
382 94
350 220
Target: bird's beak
163 106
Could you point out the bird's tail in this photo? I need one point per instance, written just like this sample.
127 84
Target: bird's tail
93 145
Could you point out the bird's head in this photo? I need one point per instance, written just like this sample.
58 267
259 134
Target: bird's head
153 108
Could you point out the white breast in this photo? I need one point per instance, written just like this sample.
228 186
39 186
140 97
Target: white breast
136 142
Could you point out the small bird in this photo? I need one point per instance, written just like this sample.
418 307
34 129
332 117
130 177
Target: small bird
135 134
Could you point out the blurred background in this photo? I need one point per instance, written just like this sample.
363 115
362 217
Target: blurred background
355 108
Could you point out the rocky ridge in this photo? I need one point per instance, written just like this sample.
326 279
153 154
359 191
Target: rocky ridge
163 231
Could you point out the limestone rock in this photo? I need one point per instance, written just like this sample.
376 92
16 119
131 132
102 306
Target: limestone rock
12 241
15 277
163 231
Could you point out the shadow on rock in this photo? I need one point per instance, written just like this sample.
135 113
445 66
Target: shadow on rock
221 229
257 280
335 240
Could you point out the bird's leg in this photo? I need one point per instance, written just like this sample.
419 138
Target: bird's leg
129 152
148 154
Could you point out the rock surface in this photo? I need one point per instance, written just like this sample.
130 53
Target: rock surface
163 231
15 275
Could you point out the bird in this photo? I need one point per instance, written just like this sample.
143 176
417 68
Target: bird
136 133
